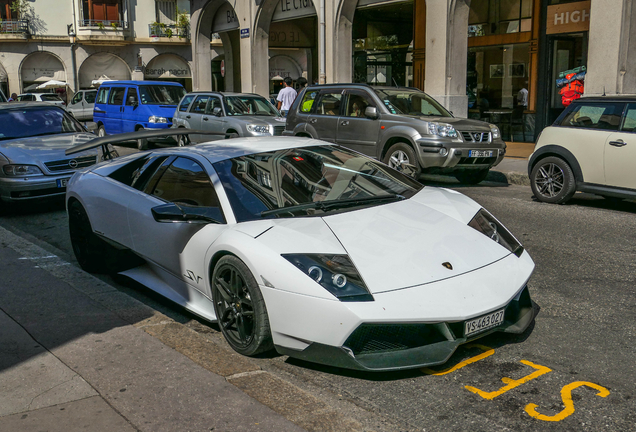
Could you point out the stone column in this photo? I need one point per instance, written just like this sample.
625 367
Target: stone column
200 27
447 53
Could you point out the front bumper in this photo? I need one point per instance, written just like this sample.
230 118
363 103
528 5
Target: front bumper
14 189
391 347
454 154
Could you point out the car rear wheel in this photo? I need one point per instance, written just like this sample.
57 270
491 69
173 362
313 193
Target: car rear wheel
552 180
471 176
240 308
142 144
401 157
182 141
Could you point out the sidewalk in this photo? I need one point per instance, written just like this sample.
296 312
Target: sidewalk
74 355
514 168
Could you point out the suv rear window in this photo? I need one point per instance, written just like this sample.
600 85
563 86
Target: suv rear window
595 115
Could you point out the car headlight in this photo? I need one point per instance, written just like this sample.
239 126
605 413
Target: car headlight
21 170
259 129
335 273
157 119
494 130
442 129
486 224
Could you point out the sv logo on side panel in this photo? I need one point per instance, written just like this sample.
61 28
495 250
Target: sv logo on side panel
190 275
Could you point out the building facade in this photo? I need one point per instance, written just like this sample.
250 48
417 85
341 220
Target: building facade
497 60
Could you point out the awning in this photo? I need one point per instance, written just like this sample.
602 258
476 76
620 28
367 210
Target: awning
42 67
52 84
167 66
102 65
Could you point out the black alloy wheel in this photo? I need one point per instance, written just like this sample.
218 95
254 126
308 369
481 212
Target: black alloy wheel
240 308
552 180
86 245
472 177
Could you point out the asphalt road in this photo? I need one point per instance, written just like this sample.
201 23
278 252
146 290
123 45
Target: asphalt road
573 370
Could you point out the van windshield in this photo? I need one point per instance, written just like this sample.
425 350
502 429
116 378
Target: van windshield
160 94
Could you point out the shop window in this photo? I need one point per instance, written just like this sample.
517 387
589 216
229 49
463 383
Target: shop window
489 17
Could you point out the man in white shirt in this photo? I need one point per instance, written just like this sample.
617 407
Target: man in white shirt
286 97
522 98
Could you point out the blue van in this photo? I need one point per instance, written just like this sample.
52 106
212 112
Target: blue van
128 106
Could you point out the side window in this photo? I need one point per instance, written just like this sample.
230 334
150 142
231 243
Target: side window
199 104
89 97
186 182
329 103
102 96
595 115
215 102
116 96
357 102
308 101
132 93
629 123
77 98
185 102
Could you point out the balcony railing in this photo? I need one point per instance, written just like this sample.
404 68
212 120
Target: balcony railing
14 26
168 31
105 24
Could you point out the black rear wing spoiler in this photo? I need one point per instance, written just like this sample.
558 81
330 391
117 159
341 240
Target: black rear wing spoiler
134 136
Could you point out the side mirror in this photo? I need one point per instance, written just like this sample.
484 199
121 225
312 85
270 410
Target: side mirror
172 212
132 101
91 126
371 112
217 112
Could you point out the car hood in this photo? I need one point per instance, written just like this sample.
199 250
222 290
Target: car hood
397 245
461 124
268 120
43 148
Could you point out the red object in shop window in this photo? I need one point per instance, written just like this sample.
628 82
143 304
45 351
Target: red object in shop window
571 91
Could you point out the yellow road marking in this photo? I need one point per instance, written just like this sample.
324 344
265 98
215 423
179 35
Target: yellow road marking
566 396
540 370
487 352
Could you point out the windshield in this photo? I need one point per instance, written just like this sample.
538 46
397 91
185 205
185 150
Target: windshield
249 105
161 94
411 102
35 121
309 181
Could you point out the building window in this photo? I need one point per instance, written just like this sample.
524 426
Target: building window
490 17
102 12
166 12
5 10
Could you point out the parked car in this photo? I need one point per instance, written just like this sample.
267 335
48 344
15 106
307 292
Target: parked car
590 148
128 106
33 138
305 247
234 114
404 127
41 97
82 104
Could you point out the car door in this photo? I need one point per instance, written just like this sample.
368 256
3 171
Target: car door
620 152
114 108
323 121
99 110
184 181
179 119
88 102
211 122
195 115
76 107
355 130
129 110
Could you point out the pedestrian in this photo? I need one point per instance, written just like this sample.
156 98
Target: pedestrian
13 97
301 82
286 97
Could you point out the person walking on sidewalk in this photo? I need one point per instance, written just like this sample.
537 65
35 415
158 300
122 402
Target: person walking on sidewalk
286 97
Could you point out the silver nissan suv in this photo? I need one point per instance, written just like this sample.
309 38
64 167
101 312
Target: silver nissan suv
404 127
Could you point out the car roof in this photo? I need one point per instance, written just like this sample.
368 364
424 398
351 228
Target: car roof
28 104
130 82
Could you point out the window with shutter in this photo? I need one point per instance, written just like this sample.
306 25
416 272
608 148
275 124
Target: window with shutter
166 12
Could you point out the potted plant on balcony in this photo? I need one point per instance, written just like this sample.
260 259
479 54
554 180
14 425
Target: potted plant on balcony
183 24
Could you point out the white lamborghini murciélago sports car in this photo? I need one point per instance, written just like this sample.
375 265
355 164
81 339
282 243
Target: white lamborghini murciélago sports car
310 248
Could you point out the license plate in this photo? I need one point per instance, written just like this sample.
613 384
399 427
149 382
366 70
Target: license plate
480 153
62 182
484 322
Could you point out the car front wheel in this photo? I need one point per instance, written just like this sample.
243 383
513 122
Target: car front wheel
240 308
401 157
142 144
552 180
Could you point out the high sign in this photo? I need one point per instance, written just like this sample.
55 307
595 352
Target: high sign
292 9
568 17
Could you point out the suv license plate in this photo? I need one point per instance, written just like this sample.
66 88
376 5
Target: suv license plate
484 322
61 183
480 153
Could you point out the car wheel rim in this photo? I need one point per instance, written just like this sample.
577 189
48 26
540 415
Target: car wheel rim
101 132
398 159
234 307
549 180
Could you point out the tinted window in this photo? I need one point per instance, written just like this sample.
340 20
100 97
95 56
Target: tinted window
629 123
116 96
76 98
329 103
34 121
300 181
26 98
215 102
411 102
199 105
161 94
132 99
308 101
186 182
248 105
90 96
50 98
102 95
185 102
357 102
604 116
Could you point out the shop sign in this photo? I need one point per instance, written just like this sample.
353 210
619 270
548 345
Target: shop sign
292 9
290 35
167 66
568 18
225 19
